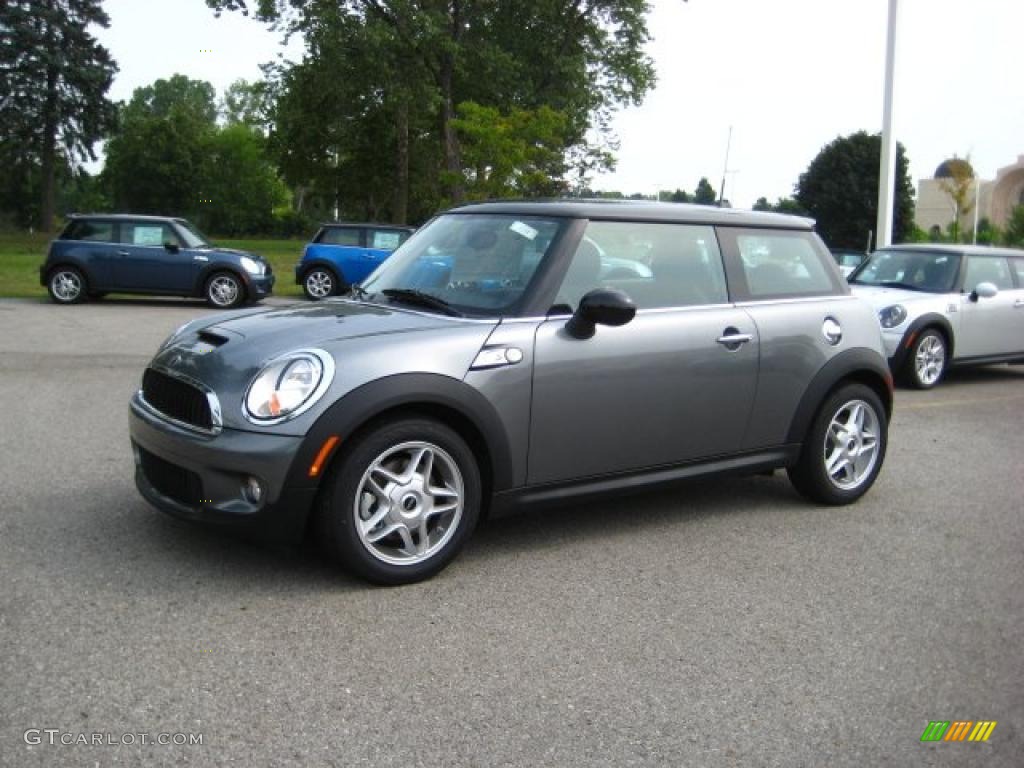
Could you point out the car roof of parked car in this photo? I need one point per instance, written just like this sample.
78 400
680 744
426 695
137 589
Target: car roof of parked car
640 211
971 250
119 216
343 224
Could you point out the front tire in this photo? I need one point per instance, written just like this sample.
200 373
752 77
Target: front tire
320 283
401 502
926 361
224 290
67 286
844 449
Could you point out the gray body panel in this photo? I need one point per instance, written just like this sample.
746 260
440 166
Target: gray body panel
688 396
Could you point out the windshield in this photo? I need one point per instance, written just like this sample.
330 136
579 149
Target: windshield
193 237
473 263
929 271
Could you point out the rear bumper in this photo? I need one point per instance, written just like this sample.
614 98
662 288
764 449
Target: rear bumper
201 477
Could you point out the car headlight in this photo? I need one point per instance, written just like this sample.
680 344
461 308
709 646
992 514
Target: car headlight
252 266
890 317
288 386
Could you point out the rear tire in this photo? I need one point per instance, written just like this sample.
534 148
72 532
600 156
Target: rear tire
926 360
224 290
844 448
66 285
321 283
401 502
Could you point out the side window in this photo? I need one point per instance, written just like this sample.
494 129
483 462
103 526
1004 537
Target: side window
385 239
146 233
778 264
988 269
1018 266
95 231
350 236
656 265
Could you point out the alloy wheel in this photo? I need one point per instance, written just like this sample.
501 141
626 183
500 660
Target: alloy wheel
408 503
851 444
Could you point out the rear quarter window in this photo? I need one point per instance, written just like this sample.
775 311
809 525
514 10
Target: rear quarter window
350 236
776 264
95 231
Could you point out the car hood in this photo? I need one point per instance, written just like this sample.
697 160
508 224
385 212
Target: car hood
366 341
274 331
880 296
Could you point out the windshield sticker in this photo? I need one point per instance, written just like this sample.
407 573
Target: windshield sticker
523 229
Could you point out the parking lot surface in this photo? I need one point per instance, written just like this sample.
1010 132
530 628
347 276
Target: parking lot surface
724 623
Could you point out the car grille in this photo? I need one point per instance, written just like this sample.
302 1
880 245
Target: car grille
170 480
177 399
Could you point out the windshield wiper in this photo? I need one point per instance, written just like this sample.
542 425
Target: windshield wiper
358 291
413 296
905 286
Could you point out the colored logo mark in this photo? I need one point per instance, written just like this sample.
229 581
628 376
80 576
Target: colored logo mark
958 730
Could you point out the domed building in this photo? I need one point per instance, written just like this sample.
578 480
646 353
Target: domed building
996 198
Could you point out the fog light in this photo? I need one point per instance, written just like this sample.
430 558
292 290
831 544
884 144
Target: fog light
252 490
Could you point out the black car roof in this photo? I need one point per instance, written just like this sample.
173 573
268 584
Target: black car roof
123 216
640 210
339 224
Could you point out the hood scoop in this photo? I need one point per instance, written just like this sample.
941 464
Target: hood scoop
213 339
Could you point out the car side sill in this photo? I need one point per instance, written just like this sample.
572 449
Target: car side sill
647 479
1014 357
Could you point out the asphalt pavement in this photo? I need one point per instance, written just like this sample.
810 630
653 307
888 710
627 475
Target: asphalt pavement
725 623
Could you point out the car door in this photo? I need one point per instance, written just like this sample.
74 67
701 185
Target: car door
381 242
95 245
152 258
988 326
788 283
1017 265
673 385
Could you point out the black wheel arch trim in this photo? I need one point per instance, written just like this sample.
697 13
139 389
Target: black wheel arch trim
47 270
210 269
910 335
851 364
307 267
410 390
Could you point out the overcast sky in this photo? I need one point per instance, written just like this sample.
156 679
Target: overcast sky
788 76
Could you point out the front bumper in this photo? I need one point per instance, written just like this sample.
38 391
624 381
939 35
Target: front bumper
260 286
201 477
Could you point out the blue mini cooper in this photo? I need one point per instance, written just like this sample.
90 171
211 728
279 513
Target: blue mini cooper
341 255
102 253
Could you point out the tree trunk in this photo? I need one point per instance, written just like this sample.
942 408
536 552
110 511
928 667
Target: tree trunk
400 205
449 141
48 151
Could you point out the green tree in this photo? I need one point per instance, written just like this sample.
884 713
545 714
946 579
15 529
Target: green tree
519 153
155 162
680 196
705 193
54 78
240 186
249 104
959 185
1014 232
581 58
840 191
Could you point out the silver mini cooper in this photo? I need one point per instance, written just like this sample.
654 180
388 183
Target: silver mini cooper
520 353
945 305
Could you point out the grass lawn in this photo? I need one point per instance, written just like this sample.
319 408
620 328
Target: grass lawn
21 254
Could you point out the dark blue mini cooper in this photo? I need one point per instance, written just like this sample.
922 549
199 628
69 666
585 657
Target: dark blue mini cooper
98 254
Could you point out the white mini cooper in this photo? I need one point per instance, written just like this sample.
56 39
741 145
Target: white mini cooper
945 305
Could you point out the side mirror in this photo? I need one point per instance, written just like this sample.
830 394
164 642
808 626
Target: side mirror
172 247
984 291
602 306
